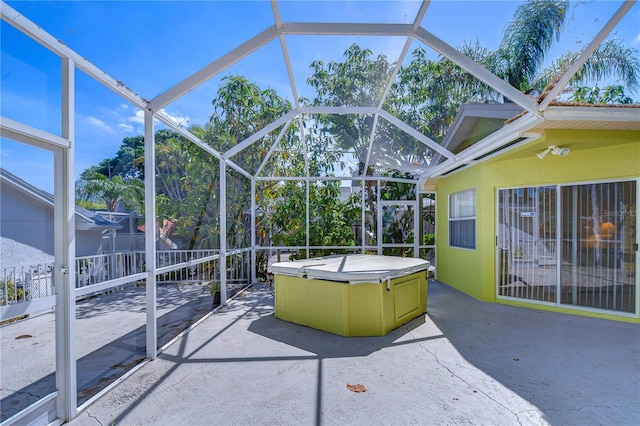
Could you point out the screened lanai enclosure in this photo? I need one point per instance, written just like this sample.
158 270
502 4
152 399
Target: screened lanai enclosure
157 157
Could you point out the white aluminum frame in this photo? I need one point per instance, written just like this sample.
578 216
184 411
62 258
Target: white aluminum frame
65 251
63 149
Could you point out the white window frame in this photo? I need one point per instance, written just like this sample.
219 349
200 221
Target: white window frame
457 202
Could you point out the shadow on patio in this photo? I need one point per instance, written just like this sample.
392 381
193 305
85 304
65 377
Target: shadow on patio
464 362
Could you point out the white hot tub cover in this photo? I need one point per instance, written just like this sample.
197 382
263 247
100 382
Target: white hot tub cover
353 268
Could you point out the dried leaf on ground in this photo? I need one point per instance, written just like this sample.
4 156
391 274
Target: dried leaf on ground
356 388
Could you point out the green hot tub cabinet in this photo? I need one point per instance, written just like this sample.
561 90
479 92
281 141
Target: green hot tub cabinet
353 295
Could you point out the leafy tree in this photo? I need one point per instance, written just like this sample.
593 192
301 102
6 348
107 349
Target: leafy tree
359 80
330 219
613 59
428 93
115 191
593 95
187 184
124 164
190 177
241 108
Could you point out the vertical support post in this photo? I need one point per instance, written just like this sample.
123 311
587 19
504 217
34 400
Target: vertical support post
65 252
254 275
223 231
417 225
363 217
435 229
150 234
307 215
421 231
378 214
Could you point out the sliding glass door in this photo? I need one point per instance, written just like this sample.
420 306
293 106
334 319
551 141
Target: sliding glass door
569 245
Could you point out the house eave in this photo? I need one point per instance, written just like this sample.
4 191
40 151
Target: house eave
530 127
590 118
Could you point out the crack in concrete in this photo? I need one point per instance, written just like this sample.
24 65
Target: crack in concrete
94 418
420 344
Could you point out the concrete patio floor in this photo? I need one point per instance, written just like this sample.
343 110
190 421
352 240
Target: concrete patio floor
464 362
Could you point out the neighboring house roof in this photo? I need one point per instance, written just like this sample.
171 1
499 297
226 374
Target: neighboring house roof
14 252
85 219
162 233
474 122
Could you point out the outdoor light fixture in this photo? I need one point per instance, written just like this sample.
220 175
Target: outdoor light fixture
554 150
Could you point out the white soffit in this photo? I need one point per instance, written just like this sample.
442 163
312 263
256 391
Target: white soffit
590 118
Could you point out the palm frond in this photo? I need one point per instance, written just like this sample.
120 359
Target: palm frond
527 39
613 59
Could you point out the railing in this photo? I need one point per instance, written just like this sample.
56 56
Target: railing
205 266
238 266
23 283
104 267
175 257
26 282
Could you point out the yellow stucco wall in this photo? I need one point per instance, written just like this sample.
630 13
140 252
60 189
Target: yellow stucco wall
595 156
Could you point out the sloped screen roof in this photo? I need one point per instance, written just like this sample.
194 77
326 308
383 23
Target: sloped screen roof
354 87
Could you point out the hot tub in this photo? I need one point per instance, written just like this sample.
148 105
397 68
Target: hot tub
351 295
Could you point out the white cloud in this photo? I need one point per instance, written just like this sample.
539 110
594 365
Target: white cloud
182 121
126 127
96 122
138 118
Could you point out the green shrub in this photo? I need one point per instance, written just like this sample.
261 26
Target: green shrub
12 295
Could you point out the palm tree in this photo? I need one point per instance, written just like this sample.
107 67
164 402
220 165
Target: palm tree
612 59
527 39
113 191
525 43
428 93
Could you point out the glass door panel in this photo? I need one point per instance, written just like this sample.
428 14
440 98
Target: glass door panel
598 246
27 281
527 243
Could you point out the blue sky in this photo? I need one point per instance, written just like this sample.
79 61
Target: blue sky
152 45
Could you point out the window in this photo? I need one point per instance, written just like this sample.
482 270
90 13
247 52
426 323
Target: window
462 219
